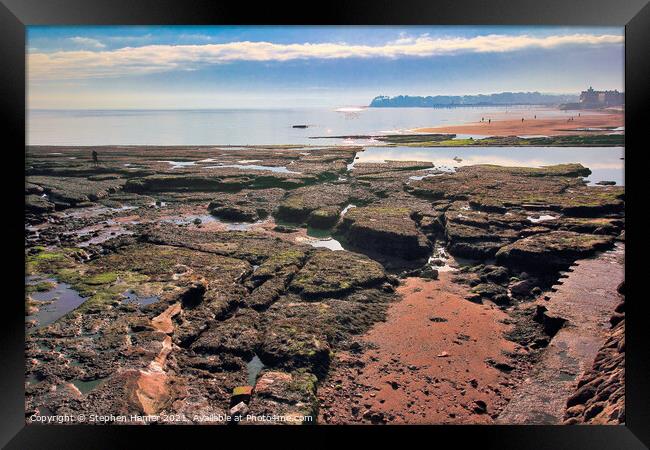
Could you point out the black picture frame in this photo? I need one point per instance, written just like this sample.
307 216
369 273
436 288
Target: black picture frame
16 14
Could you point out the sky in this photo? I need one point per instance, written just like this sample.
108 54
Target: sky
212 67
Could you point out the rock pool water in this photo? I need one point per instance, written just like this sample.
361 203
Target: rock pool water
605 163
86 386
427 173
277 169
542 218
322 238
132 297
100 233
239 226
254 367
177 164
208 218
94 211
57 302
330 243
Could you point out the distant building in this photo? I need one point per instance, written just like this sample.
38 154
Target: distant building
592 98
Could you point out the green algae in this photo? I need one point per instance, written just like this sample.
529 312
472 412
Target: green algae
45 261
581 140
102 278
41 286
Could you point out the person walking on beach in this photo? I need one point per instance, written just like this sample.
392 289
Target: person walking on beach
95 158
489 120
522 120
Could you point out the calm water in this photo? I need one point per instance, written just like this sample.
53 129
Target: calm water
605 162
242 127
57 302
133 298
274 126
254 367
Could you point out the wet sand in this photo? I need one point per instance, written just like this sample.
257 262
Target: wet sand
506 126
427 362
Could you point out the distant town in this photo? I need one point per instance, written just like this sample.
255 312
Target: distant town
589 99
592 99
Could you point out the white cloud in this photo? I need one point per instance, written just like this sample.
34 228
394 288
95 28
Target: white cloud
86 42
160 58
195 37
130 39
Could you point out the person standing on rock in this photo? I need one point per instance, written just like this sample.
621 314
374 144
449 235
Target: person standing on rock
95 158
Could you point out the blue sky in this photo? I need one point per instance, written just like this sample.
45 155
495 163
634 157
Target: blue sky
246 67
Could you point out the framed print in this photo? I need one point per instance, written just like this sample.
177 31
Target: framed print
401 215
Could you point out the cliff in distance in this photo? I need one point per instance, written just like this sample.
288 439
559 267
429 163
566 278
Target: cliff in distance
502 98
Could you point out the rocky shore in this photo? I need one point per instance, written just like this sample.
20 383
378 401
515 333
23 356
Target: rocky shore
600 395
218 284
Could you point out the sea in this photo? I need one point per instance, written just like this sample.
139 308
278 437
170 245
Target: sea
240 127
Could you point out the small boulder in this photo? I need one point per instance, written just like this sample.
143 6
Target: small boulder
523 288
429 273
480 407
240 409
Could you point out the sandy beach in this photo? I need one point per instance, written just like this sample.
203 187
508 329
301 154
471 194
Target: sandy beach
428 363
531 126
